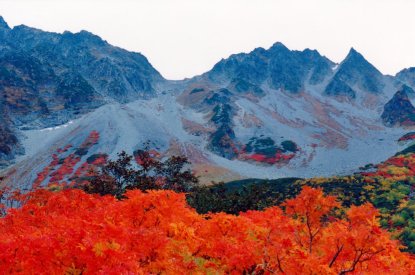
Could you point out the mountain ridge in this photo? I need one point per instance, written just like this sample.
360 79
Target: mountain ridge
236 120
348 75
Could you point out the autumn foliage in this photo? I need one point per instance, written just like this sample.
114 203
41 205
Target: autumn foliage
64 161
72 232
64 230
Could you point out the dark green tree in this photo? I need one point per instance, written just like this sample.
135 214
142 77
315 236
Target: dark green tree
145 173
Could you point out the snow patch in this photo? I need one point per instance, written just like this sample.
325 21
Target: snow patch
57 127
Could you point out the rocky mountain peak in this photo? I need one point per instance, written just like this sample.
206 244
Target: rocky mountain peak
353 53
399 111
355 74
47 79
84 37
407 76
278 46
357 59
3 23
277 67
409 70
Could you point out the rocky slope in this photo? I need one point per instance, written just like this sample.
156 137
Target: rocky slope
277 67
355 74
46 79
407 76
399 111
265 114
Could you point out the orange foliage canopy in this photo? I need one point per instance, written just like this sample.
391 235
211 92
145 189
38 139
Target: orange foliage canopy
156 232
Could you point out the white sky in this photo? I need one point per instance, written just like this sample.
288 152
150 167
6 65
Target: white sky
183 38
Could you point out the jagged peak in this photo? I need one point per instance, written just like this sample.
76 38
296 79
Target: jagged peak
316 53
356 61
3 23
278 46
313 51
353 50
90 36
399 109
26 28
258 50
354 55
85 36
406 70
86 33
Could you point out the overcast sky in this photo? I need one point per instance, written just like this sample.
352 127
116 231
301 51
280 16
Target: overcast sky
183 38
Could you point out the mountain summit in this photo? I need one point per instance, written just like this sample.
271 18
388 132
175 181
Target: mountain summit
399 110
407 76
111 71
3 23
267 113
278 67
355 74
47 79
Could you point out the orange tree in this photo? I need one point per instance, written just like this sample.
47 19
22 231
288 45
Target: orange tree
70 231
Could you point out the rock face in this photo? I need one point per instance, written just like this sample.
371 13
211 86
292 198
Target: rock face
9 145
34 94
278 71
47 79
353 75
111 71
399 111
407 76
277 67
222 141
268 113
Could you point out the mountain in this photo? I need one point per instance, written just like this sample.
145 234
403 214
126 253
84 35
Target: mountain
355 74
9 144
277 67
111 71
47 79
252 76
68 99
258 101
3 26
399 110
407 76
